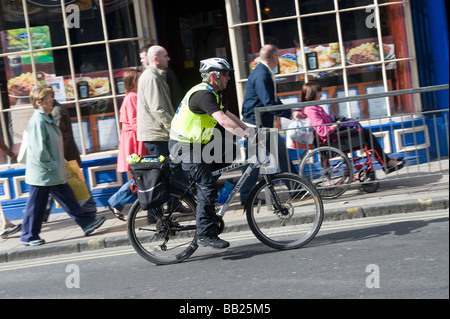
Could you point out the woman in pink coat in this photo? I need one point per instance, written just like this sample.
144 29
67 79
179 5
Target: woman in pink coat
317 116
128 143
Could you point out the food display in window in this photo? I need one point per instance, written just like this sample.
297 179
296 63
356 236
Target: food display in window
97 86
100 86
364 53
21 86
328 56
369 51
287 61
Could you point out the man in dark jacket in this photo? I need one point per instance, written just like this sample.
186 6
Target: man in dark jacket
260 92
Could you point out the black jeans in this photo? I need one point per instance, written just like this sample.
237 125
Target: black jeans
354 141
201 173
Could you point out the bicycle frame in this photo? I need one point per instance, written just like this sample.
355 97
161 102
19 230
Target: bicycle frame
251 167
253 164
238 185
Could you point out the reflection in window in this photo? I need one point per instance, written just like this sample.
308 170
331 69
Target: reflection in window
284 34
271 9
245 11
313 6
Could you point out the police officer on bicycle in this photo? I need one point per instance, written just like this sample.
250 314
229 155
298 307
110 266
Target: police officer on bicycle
192 129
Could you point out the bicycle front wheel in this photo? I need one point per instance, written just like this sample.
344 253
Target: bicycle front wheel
292 214
164 235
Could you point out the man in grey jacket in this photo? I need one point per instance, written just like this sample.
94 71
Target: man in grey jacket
155 111
154 107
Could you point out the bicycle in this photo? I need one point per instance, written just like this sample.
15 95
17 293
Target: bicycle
293 216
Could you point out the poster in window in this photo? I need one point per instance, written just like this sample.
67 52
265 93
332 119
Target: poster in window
107 133
377 107
19 74
325 55
368 50
355 106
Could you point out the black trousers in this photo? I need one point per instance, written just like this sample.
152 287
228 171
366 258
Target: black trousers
356 140
201 173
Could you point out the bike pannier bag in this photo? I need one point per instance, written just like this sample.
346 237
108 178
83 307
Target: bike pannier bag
152 181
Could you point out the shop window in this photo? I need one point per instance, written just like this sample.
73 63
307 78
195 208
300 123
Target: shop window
245 11
313 6
351 49
345 4
321 30
83 64
271 9
98 125
283 34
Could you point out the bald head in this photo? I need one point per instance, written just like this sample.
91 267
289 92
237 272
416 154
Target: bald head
158 57
267 52
269 55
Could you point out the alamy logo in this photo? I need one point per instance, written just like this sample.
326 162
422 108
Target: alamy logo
371 20
73 16
373 279
73 279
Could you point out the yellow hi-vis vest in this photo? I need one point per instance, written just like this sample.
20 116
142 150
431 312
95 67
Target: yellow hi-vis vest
189 127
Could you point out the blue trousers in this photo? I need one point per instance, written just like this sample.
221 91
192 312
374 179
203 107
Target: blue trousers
37 202
122 196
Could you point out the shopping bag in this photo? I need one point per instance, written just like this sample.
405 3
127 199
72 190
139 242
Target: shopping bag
76 181
300 134
22 156
2 220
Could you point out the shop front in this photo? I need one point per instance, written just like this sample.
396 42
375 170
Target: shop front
82 47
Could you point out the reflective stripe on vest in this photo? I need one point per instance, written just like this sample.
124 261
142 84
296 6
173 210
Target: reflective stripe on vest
189 127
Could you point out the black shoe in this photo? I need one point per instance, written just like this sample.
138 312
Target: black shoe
391 169
214 242
10 231
94 225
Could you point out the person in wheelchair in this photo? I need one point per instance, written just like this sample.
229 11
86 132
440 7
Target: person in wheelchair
332 133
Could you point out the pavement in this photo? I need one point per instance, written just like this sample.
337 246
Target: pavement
423 187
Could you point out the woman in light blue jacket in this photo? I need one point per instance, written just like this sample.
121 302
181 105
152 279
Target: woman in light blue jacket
46 172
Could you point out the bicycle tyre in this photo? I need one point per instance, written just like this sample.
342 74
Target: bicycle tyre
300 218
328 169
171 239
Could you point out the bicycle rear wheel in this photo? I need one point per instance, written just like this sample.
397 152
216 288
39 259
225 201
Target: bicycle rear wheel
328 169
168 238
292 215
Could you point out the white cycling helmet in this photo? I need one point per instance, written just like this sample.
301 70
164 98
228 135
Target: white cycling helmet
214 64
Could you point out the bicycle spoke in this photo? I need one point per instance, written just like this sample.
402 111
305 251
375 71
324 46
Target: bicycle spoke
293 217
172 238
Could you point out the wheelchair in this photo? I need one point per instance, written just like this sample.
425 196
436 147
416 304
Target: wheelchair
344 158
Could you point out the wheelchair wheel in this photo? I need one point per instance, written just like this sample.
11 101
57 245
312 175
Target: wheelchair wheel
369 182
328 169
